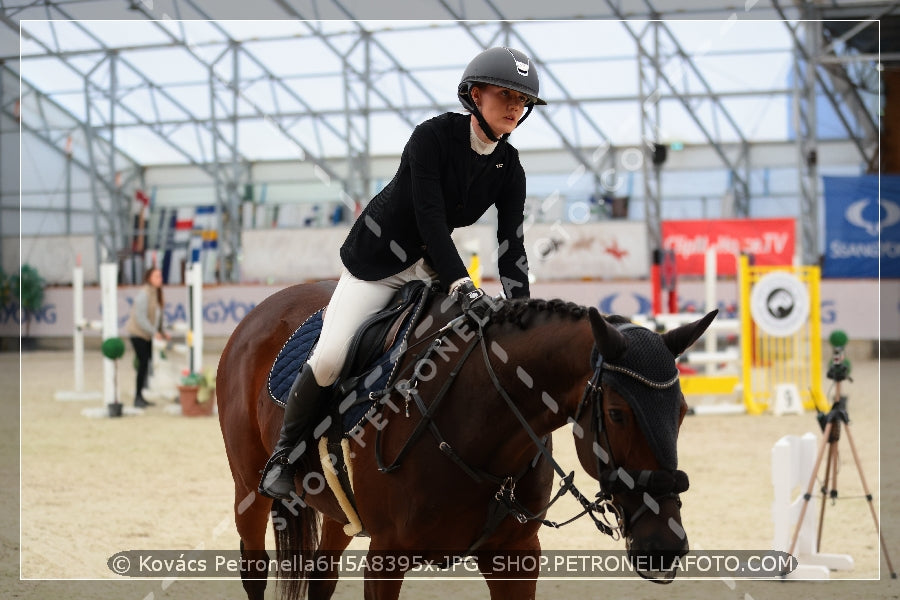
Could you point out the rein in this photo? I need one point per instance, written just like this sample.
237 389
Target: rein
601 505
505 495
655 485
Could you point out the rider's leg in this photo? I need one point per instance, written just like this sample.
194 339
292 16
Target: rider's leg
352 303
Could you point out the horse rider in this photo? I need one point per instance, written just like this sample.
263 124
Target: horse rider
453 168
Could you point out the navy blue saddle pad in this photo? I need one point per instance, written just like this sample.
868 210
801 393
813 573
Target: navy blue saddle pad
292 355
355 403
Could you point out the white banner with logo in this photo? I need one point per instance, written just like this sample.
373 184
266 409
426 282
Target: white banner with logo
850 305
608 250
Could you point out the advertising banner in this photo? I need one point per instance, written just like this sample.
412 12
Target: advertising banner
862 227
769 241
852 306
607 250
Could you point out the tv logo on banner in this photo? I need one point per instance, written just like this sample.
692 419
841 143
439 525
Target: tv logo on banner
769 241
861 228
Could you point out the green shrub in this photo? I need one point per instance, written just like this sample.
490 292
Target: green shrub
28 287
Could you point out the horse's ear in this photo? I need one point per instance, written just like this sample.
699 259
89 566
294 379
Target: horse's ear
680 339
610 341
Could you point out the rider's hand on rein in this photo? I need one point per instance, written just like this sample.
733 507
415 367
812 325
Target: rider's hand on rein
475 303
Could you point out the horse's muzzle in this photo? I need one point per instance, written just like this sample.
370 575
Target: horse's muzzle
657 565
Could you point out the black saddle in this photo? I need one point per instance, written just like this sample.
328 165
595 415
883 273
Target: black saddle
377 335
369 348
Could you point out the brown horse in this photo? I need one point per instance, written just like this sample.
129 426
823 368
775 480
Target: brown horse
537 366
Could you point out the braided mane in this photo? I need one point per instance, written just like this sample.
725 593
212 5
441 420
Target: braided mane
523 312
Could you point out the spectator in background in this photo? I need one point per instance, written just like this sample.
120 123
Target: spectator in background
145 323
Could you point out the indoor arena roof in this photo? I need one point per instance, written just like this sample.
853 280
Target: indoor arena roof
191 81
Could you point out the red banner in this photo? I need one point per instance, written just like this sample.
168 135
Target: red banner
769 241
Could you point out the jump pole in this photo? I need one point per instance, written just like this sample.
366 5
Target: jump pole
109 274
193 329
710 278
714 380
81 324
195 317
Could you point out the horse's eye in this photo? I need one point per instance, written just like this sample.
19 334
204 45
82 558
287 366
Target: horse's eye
616 415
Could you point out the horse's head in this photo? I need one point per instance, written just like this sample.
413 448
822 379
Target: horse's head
630 417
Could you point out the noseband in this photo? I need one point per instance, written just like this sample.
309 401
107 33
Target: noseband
654 485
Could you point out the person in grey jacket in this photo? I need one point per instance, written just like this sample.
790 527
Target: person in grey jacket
453 168
145 323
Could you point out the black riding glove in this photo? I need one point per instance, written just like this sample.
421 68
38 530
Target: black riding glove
475 303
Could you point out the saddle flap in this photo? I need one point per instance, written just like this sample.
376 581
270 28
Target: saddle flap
378 333
371 359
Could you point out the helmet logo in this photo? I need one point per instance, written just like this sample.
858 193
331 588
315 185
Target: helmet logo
521 67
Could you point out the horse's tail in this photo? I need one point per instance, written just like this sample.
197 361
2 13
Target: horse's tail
296 541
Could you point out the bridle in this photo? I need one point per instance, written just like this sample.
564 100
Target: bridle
655 485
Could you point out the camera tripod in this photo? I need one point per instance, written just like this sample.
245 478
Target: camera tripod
831 424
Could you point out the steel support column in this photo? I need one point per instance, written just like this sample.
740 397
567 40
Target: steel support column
648 96
112 210
805 120
230 173
849 99
357 186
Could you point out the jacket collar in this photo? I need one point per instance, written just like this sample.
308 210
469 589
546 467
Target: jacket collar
461 129
461 132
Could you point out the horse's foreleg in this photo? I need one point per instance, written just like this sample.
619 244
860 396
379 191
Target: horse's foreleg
331 546
379 587
512 573
251 515
384 575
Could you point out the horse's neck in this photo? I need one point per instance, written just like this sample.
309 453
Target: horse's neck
551 364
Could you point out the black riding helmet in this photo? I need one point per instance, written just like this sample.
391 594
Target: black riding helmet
503 67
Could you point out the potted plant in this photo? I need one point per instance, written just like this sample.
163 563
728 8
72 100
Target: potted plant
28 287
196 394
113 348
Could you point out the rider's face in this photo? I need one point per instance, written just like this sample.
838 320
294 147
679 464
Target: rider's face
501 107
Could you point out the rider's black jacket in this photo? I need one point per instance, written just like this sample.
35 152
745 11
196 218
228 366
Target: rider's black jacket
442 184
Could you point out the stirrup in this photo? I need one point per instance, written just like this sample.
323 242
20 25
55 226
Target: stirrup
277 479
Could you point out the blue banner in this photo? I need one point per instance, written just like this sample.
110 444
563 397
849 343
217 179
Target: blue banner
861 227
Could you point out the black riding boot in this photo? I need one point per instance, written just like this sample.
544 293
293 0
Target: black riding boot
303 403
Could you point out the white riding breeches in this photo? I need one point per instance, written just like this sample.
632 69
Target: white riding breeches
354 300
